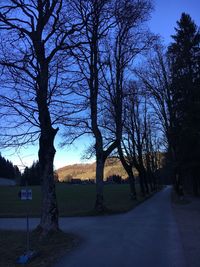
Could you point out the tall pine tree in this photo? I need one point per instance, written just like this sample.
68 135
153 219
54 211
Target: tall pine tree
8 170
184 58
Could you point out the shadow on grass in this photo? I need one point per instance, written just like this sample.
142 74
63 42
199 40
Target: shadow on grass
50 248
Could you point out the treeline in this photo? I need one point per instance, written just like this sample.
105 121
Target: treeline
31 175
8 170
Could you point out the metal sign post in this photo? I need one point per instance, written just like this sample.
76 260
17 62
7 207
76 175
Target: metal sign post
26 194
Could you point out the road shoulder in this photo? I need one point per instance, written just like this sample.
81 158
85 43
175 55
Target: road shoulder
187 216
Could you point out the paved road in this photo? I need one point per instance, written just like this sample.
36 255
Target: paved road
145 237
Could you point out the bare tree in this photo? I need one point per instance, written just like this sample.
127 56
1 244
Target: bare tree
34 42
88 85
138 143
134 134
130 38
114 38
152 137
155 77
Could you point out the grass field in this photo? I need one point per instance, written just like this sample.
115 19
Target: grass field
73 200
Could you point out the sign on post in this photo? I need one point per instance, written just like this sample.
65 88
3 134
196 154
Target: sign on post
26 194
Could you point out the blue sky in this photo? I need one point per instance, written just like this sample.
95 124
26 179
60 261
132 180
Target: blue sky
163 21
167 12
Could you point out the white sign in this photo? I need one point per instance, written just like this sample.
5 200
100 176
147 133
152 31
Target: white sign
26 194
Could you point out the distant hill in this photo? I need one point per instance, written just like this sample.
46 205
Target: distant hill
87 171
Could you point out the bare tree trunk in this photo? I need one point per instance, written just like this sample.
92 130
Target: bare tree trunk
49 217
149 173
176 169
141 181
99 204
129 171
127 166
132 185
142 174
145 183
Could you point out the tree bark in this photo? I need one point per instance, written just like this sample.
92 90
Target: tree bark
142 174
141 181
99 204
132 185
49 217
145 182
129 171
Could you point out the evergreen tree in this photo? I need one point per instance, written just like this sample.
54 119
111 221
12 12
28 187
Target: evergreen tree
184 58
7 169
31 176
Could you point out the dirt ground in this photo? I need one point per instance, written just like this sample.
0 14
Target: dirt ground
187 215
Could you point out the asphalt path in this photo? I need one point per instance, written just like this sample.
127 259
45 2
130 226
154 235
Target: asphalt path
147 236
